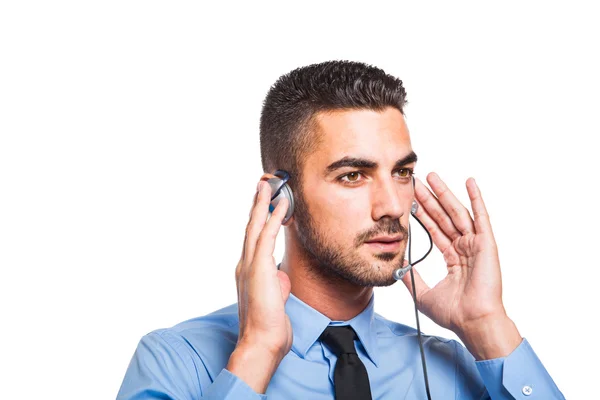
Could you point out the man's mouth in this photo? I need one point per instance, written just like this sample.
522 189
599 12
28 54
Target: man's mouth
385 243
386 239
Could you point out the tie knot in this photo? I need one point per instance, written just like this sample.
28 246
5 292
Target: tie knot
340 339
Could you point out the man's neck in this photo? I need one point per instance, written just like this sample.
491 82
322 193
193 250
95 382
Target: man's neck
334 297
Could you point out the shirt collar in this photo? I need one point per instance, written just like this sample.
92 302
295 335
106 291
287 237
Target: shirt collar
308 324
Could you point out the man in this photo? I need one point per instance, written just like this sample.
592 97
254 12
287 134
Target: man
306 329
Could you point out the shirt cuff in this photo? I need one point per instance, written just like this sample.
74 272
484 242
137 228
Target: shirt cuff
520 376
228 386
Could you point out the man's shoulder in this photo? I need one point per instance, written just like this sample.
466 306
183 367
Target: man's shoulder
388 328
210 338
223 319
219 324
442 354
392 332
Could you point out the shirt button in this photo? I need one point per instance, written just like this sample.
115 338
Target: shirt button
527 390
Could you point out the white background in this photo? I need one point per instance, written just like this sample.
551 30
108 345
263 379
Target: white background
129 156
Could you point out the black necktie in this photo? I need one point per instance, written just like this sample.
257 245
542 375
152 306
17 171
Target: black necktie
350 377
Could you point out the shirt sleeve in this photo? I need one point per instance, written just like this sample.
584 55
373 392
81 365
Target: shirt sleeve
520 375
163 369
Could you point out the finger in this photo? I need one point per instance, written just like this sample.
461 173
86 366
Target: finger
258 219
480 214
458 213
438 236
420 284
266 241
440 220
243 255
253 202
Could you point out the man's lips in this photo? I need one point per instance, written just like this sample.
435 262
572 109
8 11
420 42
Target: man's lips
385 239
385 243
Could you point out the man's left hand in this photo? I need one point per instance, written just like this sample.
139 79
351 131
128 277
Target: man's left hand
468 300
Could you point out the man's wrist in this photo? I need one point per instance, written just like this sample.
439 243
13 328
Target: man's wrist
490 337
253 365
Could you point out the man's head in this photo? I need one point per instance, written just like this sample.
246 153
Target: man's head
338 128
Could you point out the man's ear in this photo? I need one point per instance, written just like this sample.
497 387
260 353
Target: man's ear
289 221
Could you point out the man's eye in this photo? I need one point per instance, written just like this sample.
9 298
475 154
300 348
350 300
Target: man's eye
350 177
353 177
405 172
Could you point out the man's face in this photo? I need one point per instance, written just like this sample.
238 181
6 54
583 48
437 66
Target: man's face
357 188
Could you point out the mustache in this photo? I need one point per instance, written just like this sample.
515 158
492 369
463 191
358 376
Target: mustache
384 227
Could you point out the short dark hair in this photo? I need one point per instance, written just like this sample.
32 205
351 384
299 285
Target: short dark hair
287 117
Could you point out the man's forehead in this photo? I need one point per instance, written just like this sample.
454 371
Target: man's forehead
378 135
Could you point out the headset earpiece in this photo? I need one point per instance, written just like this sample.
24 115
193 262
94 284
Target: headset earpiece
279 190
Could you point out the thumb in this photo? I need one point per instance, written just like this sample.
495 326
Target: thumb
284 284
420 285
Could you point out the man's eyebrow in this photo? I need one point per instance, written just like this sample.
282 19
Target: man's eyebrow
350 162
357 162
410 158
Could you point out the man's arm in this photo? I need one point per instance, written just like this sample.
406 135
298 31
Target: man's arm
265 334
520 375
254 366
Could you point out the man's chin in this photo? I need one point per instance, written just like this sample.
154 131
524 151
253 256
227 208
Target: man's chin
385 257
389 281
375 273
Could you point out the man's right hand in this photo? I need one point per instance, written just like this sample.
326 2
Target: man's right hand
265 334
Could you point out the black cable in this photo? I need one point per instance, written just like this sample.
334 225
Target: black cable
414 290
430 243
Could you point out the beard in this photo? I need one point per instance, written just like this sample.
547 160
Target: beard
331 261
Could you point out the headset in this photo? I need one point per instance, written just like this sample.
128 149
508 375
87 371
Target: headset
281 189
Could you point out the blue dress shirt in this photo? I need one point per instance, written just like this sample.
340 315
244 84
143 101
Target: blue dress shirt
188 361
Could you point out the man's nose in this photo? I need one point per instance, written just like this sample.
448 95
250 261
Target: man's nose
387 199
